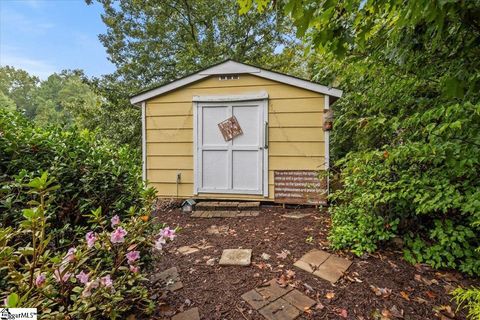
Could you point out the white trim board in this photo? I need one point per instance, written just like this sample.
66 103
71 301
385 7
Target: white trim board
229 67
144 143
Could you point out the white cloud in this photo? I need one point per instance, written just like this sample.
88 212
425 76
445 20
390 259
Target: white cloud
39 68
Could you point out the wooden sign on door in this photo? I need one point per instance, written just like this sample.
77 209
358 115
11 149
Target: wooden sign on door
230 128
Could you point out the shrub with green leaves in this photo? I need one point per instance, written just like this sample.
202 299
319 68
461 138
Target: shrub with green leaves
92 172
99 276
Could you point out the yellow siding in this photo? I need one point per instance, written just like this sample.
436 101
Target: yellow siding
295 121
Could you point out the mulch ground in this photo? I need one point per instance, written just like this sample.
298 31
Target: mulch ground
377 286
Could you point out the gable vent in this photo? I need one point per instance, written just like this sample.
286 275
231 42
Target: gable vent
229 77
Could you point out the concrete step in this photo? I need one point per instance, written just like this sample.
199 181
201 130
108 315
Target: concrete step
224 214
227 205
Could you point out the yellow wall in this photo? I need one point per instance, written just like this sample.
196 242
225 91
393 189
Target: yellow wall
295 131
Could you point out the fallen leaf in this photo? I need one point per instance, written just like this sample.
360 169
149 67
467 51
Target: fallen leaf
420 300
395 312
430 294
283 255
405 295
319 306
445 310
386 314
330 295
290 274
343 313
383 292
426 281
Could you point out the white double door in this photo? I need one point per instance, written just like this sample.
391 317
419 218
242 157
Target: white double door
235 166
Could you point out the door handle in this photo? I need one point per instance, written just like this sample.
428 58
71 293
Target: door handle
265 135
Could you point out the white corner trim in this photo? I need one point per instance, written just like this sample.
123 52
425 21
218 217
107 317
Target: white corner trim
144 143
195 149
327 145
233 67
242 97
265 150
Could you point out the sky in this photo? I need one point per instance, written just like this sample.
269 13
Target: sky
47 36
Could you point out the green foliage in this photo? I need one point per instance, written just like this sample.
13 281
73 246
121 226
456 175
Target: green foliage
93 172
19 87
407 131
449 246
152 43
99 277
469 298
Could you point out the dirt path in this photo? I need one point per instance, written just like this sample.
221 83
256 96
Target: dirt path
379 285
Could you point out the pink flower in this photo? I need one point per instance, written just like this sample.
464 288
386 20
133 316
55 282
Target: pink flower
82 277
87 291
118 236
40 280
167 233
91 238
115 220
70 256
159 243
134 269
133 256
60 275
106 281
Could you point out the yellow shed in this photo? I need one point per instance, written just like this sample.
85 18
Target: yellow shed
237 132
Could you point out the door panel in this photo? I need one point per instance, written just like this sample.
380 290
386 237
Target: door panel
215 169
212 116
245 170
248 118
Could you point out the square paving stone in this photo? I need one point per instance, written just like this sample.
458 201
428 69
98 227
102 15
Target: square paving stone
191 314
236 257
272 290
170 278
255 299
299 300
279 310
312 260
333 268
295 215
187 250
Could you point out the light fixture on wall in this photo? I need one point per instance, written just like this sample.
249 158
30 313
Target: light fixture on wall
328 119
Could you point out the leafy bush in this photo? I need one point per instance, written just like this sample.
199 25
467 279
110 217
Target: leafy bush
99 277
470 299
424 184
92 172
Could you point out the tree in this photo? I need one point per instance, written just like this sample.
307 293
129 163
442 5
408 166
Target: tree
18 86
156 42
66 98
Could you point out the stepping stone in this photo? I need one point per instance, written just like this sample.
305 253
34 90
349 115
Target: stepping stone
191 314
323 264
236 257
255 299
312 260
279 310
272 290
295 215
299 300
187 250
333 268
170 278
213 229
